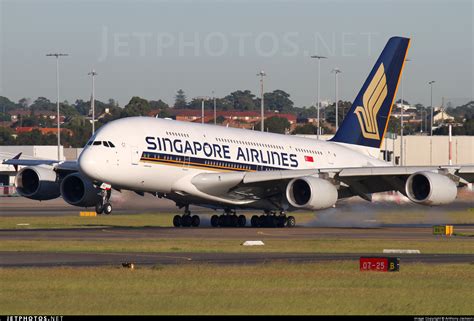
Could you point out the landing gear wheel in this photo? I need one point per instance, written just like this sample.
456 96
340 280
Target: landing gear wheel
99 209
234 221
221 220
177 221
107 208
262 221
281 221
195 221
291 221
214 221
186 220
254 221
242 221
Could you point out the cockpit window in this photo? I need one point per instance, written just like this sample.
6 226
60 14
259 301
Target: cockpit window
111 145
106 144
89 143
96 143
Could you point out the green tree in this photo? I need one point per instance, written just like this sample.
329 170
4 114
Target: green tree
242 100
6 137
278 100
275 124
180 100
306 129
7 105
42 103
136 107
82 130
393 125
158 104
24 102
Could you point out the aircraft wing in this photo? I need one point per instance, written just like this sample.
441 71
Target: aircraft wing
58 166
245 186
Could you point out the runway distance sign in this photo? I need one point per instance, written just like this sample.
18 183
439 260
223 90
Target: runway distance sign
380 264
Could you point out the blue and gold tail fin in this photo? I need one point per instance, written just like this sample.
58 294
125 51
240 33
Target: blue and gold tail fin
367 120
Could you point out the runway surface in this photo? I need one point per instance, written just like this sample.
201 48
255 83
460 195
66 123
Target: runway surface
351 220
37 259
297 233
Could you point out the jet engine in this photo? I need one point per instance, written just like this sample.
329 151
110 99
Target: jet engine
311 193
37 182
428 188
77 190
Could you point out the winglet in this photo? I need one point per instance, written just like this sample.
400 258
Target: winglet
17 157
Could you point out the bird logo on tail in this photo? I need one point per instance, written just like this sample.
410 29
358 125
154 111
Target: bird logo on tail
373 99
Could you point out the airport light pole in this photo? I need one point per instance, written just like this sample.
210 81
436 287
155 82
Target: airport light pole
57 55
401 119
215 112
319 81
262 74
431 125
336 71
93 74
203 99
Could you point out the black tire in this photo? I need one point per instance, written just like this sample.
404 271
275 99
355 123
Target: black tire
177 221
195 221
234 220
99 209
107 208
214 221
186 220
291 221
221 220
254 221
242 221
262 222
281 221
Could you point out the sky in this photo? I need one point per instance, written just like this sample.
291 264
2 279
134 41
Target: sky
153 48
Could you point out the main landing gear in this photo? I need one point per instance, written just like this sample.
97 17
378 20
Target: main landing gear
228 219
186 220
104 205
270 219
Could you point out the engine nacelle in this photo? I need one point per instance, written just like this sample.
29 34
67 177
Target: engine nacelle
428 188
311 193
79 191
37 182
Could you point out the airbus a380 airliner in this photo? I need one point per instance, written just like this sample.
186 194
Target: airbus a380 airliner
231 169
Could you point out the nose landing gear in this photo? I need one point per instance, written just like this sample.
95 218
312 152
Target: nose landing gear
104 206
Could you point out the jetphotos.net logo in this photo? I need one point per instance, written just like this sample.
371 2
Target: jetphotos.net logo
33 318
114 44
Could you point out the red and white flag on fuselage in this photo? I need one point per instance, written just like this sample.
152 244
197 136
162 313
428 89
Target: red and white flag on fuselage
309 159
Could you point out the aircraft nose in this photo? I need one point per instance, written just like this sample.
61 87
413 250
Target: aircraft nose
88 165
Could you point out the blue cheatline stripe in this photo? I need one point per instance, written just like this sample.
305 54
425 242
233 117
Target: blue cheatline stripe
203 163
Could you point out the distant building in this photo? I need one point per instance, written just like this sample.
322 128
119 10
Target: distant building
17 114
44 131
440 116
240 119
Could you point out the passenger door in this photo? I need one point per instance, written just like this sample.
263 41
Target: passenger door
135 155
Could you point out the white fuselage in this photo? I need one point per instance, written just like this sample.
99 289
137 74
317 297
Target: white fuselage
152 154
